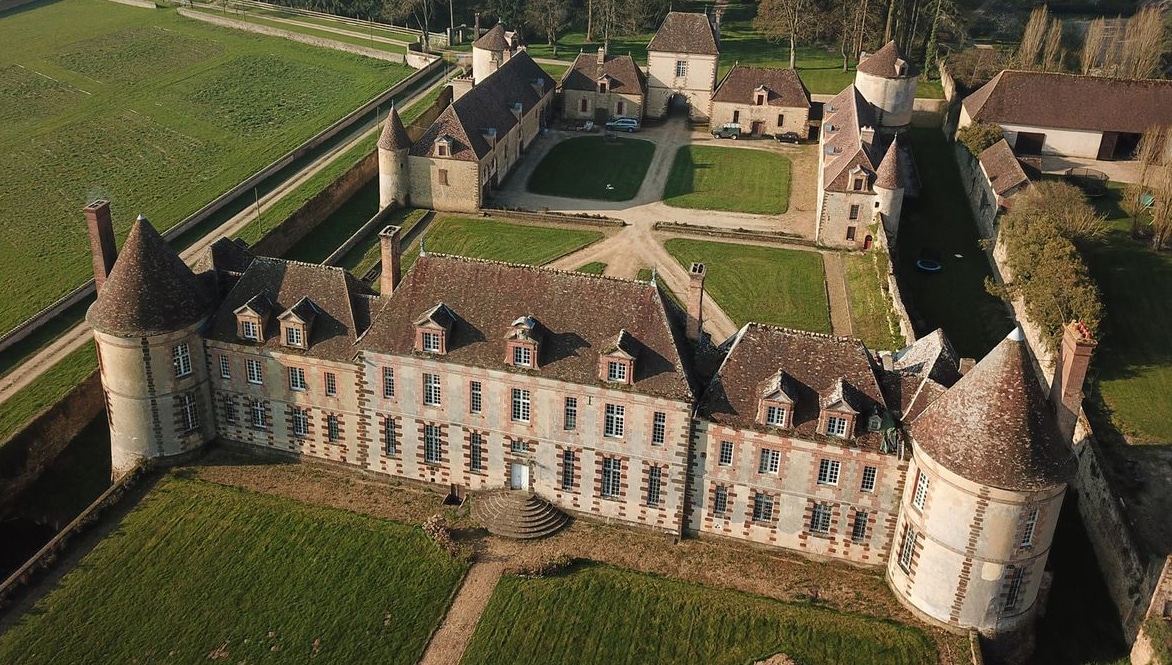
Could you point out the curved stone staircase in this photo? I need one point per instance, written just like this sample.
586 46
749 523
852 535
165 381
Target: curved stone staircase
517 514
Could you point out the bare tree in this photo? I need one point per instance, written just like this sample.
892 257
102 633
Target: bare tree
1143 43
1033 39
889 30
787 20
1054 54
1092 46
548 17
930 49
420 10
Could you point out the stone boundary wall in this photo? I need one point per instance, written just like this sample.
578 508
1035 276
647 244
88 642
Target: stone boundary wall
717 232
925 112
371 225
894 293
946 81
1143 651
437 39
977 185
5 5
551 217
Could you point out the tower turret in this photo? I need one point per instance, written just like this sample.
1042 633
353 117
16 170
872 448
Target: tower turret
393 177
887 79
491 51
889 190
146 324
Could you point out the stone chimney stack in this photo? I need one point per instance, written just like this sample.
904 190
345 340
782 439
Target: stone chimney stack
716 16
392 256
601 55
695 301
101 229
1071 371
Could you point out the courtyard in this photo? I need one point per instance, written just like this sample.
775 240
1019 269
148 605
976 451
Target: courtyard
711 178
594 167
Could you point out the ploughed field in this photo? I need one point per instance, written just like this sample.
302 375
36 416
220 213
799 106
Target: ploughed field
158 113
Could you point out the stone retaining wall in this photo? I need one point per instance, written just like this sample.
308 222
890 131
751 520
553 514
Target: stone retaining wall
552 217
736 234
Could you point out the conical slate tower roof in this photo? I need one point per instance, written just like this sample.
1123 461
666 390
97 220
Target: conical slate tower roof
888 175
886 62
493 40
150 290
996 427
394 136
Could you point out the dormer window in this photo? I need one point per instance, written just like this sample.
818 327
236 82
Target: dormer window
775 415
433 330
294 336
443 146
837 426
778 394
431 342
296 322
250 318
522 342
838 413
858 179
249 330
602 86
617 363
616 371
522 356
760 95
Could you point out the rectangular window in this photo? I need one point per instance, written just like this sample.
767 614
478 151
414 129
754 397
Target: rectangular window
390 438
775 416
726 453
835 426
1031 524
388 382
762 508
614 420
296 378
520 405
300 422
859 526
780 120
681 68
570 416
190 412
331 384
254 371
582 106
854 214
181 358
433 450
333 430
736 116
770 461
250 330
443 176
431 342
432 394
230 411
658 428
475 397
654 485
720 501
522 356
820 518
612 474
850 233
1013 591
225 367
921 493
616 371
518 446
475 453
828 471
907 549
869 473
259 419
293 336
568 470
858 185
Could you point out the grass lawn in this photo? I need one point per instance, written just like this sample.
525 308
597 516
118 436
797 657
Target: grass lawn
734 179
201 571
312 32
782 287
46 389
599 614
872 316
595 268
486 238
644 275
367 252
338 227
939 223
591 167
156 112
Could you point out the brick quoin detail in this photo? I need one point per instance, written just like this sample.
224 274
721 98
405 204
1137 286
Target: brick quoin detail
390 464
656 515
436 473
970 550
574 496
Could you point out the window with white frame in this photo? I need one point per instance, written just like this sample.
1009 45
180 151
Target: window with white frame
225 367
612 476
859 526
907 550
296 378
520 405
869 473
720 500
920 495
570 414
836 426
1027 532
762 507
250 330
255 375
820 518
568 470
654 485
828 470
181 359
300 422
616 371
433 450
1013 588
775 416
522 356
658 428
518 446
331 384
432 394
475 397
388 382
333 429
259 418
726 453
615 425
190 412
681 68
229 411
475 452
770 461
293 336
390 437
431 342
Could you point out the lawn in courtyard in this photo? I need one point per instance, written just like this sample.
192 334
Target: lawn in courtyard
156 112
782 287
201 572
593 167
486 238
733 179
872 316
593 268
600 614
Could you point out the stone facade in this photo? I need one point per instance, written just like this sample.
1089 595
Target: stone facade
682 59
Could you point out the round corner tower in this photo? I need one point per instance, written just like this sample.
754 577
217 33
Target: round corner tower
394 179
984 488
146 322
491 51
887 80
889 190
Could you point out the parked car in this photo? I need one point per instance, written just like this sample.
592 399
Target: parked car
788 137
729 130
623 125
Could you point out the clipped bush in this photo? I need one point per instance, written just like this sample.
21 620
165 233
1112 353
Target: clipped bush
978 136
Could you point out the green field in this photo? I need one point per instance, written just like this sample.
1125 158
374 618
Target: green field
592 167
599 614
872 316
46 389
201 572
733 179
312 32
158 113
594 268
782 287
485 238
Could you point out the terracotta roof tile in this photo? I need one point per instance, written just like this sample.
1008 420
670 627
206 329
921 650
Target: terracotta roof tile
843 142
683 32
888 176
784 86
394 136
920 373
625 75
493 40
887 61
1002 168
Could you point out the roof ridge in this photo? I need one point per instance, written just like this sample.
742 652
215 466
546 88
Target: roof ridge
307 264
807 333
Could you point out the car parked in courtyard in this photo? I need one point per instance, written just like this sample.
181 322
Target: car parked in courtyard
623 125
729 130
787 137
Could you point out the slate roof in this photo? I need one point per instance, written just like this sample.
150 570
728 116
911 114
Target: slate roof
394 136
341 305
150 290
996 427
1002 168
785 87
493 40
813 364
920 373
843 143
581 317
888 176
683 32
226 255
886 62
487 104
1069 101
625 75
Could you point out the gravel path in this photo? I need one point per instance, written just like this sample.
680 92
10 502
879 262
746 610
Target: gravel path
449 641
840 307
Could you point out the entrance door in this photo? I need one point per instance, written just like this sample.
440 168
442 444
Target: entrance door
519 476
1107 146
758 128
1029 143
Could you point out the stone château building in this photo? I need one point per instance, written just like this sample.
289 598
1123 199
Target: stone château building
682 60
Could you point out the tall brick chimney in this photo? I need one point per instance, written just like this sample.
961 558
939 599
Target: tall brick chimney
101 229
392 255
601 55
1071 371
695 301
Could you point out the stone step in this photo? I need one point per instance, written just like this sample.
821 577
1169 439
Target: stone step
515 514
